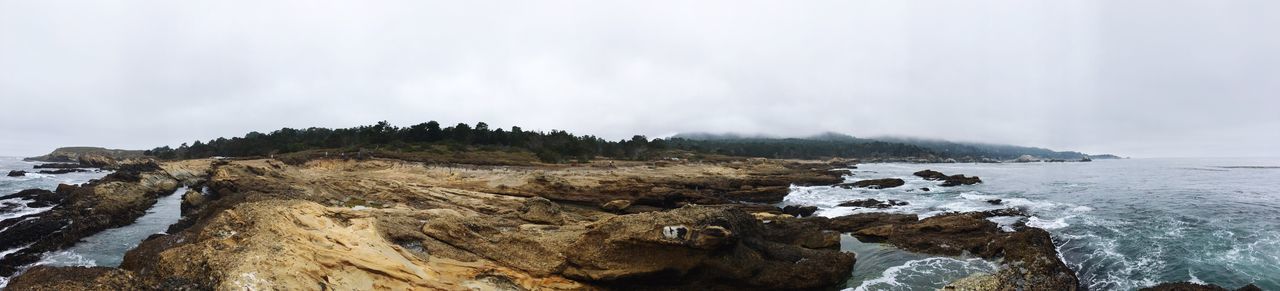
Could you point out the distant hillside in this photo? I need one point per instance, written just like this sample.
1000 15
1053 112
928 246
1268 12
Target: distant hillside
994 151
843 145
430 139
73 154
815 147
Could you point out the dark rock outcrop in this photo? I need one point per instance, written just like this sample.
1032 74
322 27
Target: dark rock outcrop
17 173
872 203
849 223
63 171
811 232
698 245
81 211
73 278
38 197
58 166
799 211
1031 261
957 180
930 175
876 183
948 181
852 223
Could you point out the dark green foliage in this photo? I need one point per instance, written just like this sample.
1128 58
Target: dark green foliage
554 146
557 146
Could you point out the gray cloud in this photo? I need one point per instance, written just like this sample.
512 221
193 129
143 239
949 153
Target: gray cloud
1144 78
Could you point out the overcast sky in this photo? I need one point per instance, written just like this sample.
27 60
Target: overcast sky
1138 78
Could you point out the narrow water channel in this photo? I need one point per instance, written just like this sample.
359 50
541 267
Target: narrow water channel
107 248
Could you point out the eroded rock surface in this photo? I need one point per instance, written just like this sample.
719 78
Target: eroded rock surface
384 224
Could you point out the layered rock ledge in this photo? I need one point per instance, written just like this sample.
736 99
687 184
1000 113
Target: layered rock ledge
387 224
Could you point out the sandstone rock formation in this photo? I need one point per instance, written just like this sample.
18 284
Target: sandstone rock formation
382 224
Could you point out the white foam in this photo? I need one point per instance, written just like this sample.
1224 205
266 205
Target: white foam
1194 279
1005 222
974 195
66 258
14 250
1047 224
1028 203
888 279
23 210
964 206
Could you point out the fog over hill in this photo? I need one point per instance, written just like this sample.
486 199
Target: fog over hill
940 147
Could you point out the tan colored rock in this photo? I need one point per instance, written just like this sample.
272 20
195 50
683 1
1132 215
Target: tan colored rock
540 210
277 226
616 206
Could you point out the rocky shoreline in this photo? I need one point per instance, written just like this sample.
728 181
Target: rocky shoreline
392 224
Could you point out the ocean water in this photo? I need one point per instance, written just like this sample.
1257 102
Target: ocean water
107 248
1120 224
12 208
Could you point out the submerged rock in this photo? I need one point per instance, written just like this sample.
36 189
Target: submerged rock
876 183
872 203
